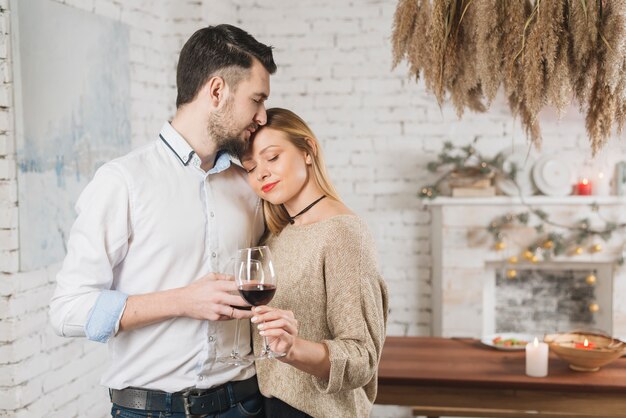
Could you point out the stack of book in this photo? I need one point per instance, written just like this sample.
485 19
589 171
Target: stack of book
472 187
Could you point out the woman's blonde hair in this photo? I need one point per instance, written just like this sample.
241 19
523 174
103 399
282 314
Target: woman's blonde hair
302 137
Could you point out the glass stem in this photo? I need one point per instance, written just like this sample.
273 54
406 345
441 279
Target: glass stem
235 351
266 346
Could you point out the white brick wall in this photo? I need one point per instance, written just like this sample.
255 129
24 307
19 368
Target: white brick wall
378 128
8 222
36 377
9 254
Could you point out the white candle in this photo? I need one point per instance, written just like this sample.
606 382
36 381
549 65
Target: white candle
537 359
602 185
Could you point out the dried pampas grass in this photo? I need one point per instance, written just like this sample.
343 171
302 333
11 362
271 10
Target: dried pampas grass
583 24
403 29
440 28
620 94
420 46
604 104
543 52
488 24
462 81
613 46
559 89
516 15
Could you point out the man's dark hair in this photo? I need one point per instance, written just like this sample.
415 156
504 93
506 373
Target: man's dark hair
215 48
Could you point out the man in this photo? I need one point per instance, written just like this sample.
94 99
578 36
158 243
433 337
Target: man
154 225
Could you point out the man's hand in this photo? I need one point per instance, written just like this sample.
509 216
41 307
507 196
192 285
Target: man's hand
213 297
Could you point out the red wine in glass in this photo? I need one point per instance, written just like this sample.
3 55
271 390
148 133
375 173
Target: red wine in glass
257 294
256 281
243 308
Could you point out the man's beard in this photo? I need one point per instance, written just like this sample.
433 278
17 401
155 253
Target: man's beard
232 146
227 137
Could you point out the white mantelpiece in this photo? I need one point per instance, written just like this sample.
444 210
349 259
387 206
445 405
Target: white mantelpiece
464 260
531 200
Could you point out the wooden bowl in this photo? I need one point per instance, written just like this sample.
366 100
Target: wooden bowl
570 347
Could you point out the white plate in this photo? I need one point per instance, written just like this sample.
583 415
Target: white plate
553 177
488 340
524 164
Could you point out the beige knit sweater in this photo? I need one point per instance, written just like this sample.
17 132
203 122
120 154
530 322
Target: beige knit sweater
328 276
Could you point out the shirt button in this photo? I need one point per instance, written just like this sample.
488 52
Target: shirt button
214 255
201 378
211 339
212 215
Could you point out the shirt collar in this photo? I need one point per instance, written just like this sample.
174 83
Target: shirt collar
222 162
176 143
183 151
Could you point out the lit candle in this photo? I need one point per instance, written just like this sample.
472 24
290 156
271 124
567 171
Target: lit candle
585 345
584 187
537 359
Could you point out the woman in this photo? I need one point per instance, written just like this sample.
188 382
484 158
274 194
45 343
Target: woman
330 309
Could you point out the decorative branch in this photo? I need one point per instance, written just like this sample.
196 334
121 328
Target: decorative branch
467 160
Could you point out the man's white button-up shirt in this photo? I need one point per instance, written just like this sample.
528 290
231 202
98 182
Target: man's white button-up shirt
149 221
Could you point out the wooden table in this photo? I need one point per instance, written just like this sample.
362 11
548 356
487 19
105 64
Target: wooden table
462 377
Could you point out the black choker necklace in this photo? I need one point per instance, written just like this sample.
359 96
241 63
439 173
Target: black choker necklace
292 219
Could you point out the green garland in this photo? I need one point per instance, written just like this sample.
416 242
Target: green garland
552 244
467 159
463 160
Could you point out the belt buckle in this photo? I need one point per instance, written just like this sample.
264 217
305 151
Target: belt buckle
186 404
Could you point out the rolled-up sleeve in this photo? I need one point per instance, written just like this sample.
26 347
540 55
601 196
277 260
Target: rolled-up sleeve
83 303
356 311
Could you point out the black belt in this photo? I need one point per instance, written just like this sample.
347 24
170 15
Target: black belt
190 402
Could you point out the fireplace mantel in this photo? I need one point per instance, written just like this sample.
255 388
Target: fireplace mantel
531 200
463 267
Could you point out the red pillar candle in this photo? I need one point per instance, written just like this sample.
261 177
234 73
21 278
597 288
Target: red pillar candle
584 187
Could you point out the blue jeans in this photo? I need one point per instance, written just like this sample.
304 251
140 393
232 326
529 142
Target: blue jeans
251 407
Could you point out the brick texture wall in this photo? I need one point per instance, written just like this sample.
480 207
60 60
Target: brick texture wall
42 374
8 184
378 129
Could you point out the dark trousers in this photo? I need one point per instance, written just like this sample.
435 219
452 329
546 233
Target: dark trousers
275 408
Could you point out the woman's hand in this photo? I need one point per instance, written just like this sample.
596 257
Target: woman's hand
281 329
279 326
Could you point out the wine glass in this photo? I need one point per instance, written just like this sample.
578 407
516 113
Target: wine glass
235 358
256 281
